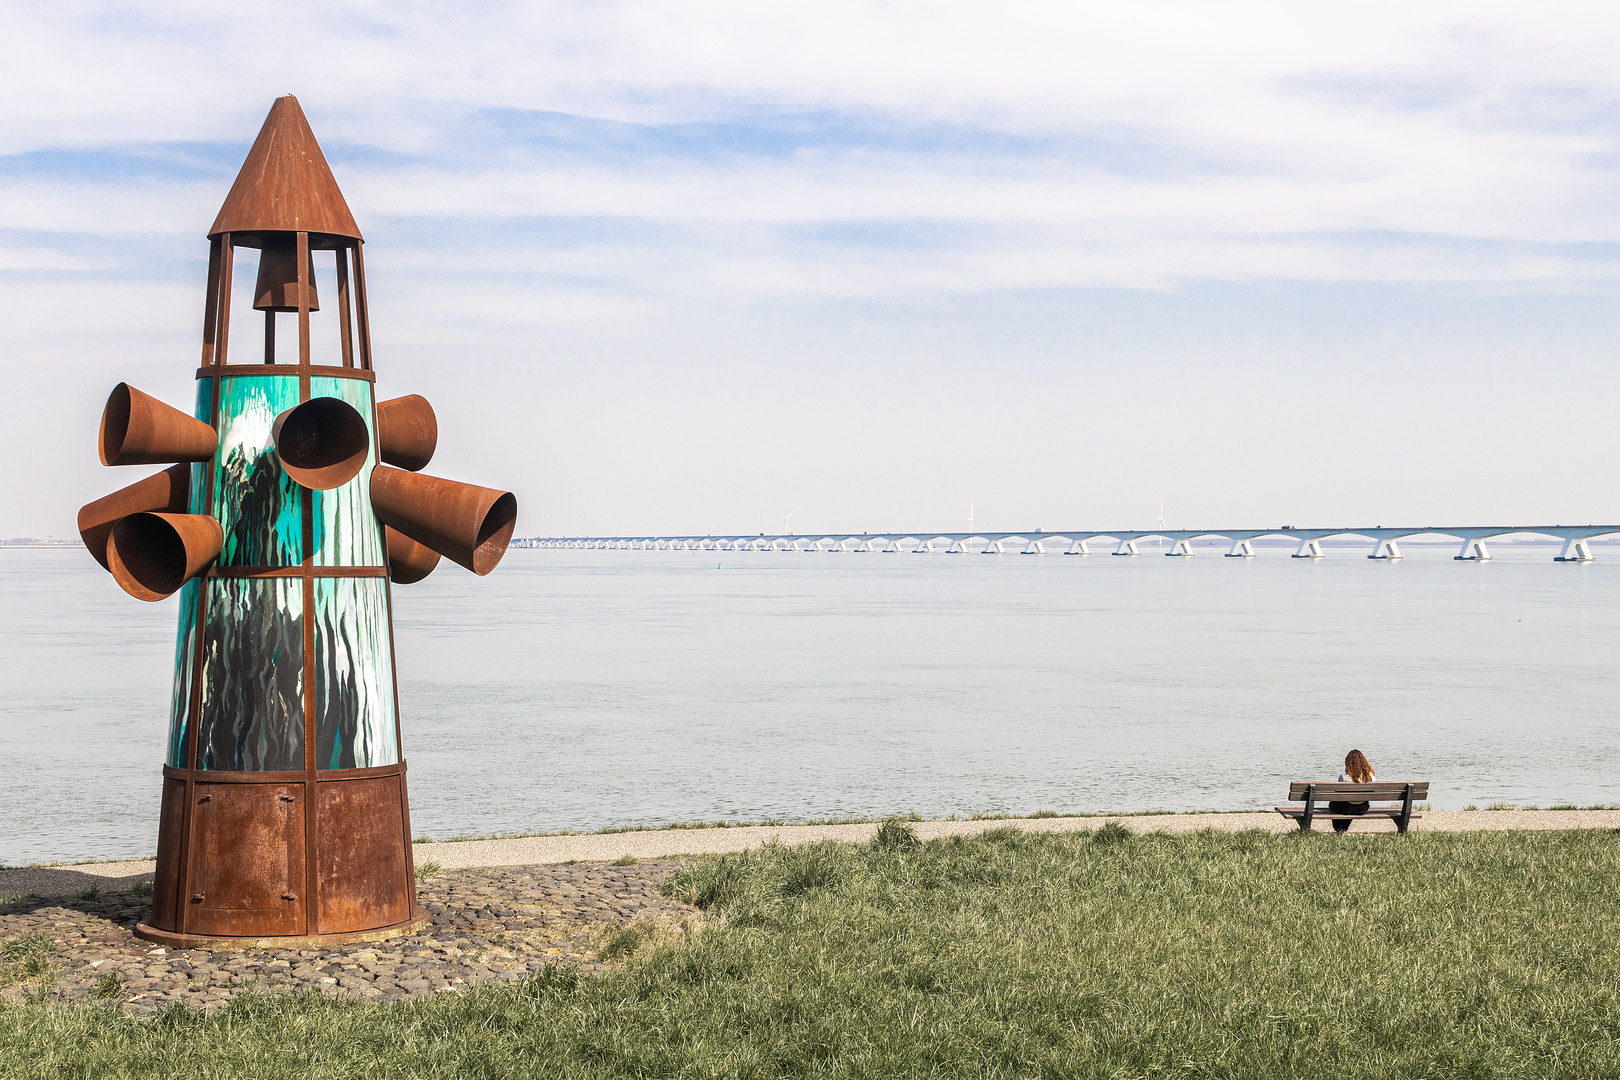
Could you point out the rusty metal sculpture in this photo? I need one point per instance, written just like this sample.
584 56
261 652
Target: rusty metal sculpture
284 810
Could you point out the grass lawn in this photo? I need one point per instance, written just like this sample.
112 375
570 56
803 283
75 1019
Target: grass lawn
1011 954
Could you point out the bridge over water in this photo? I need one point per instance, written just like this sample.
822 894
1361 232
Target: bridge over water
1386 542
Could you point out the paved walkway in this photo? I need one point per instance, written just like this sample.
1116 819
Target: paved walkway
654 844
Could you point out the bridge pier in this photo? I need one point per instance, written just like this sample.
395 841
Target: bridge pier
1078 547
1242 549
1127 547
1387 549
1474 551
956 548
894 547
994 548
924 547
1034 547
1309 549
1575 551
1182 549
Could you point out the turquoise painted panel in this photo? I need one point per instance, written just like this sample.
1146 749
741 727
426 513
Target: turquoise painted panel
253 676
185 646
185 653
257 504
354 675
204 411
347 532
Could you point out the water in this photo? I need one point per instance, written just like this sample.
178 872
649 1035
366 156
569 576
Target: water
580 689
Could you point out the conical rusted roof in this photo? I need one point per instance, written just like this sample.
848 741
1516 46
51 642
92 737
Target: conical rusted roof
285 184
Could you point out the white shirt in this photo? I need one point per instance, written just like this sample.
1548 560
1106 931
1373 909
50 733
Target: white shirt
1344 778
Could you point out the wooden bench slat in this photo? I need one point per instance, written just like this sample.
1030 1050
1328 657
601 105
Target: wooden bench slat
1378 812
1374 792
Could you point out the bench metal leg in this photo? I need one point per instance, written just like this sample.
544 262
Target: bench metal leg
1406 812
1310 809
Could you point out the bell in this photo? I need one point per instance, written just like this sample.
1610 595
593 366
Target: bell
277 287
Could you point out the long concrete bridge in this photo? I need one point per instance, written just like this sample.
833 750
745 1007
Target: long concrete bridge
1386 542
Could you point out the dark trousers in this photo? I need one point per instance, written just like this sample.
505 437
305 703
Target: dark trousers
1339 824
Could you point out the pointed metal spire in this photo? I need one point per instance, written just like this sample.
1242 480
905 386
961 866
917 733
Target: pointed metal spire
285 184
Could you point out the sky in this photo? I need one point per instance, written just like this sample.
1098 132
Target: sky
685 267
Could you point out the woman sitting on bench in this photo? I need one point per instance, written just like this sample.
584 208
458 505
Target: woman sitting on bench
1356 771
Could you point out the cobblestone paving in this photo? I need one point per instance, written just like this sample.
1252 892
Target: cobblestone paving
488 925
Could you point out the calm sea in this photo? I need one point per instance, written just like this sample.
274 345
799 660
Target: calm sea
581 689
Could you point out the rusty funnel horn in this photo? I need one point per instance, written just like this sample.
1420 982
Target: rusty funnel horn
167 492
466 524
322 443
151 555
408 561
277 286
407 432
141 430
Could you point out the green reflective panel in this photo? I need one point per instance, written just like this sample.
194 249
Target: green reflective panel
257 504
199 469
354 676
253 676
347 533
185 653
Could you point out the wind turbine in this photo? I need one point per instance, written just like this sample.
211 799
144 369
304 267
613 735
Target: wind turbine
970 517
785 518
1161 521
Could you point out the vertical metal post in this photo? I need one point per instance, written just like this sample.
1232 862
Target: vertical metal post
346 336
303 316
1406 811
211 306
1310 808
362 312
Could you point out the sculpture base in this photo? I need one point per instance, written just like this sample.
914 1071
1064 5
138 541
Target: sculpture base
302 941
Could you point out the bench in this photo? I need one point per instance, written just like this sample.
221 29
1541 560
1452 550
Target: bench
1313 793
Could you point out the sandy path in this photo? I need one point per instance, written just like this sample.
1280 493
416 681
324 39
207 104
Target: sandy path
65 880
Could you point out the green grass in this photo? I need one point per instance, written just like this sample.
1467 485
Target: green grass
1010 954
26 959
625 860
428 869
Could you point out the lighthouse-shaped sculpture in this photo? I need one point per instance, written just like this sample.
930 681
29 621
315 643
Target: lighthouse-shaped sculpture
281 524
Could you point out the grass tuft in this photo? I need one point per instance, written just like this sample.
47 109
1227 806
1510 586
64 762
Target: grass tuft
428 869
110 985
26 958
895 835
141 888
626 859
622 941
93 893
1111 834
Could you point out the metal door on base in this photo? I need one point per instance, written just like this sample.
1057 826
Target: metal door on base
246 860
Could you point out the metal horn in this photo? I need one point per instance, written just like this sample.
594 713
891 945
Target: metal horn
408 561
407 432
141 430
151 555
277 286
322 443
166 492
466 524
